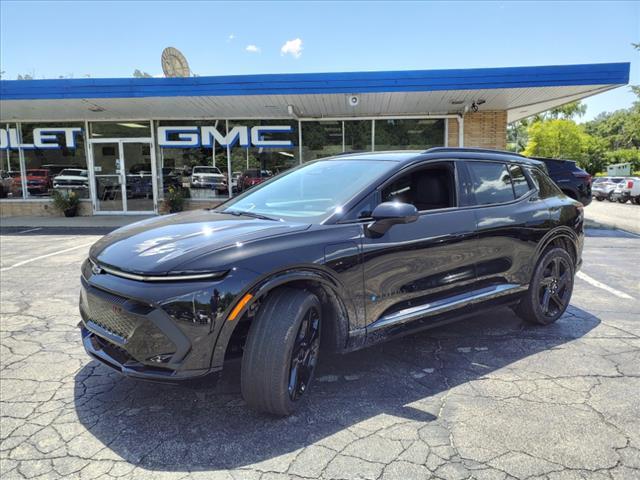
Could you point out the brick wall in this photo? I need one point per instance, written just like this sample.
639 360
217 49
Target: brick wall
481 129
37 208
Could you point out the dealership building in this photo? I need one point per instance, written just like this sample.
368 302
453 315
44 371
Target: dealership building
125 143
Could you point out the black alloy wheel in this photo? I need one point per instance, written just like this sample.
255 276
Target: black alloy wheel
304 355
550 288
555 287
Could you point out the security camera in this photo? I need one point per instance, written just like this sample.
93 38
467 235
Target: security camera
354 100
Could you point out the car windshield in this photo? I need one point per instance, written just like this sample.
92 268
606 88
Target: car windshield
74 173
206 170
310 193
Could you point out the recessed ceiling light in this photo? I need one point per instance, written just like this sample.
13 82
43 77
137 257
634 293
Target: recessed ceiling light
133 125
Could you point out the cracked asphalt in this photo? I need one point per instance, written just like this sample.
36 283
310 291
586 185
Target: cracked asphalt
488 398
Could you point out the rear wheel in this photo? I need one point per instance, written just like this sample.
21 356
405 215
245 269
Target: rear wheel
281 351
600 199
550 289
622 200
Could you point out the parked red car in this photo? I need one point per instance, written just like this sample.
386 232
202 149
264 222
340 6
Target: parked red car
252 177
39 181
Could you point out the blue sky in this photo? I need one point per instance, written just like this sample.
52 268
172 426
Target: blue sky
111 39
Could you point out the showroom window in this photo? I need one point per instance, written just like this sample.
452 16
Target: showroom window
252 166
120 129
358 135
321 139
10 183
200 172
49 169
409 134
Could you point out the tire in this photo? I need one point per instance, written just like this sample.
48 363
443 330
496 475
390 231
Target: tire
610 197
550 289
273 377
635 200
622 200
600 199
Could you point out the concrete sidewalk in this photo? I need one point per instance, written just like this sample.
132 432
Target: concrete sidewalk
95 221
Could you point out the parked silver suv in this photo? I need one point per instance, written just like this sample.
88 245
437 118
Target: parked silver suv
603 187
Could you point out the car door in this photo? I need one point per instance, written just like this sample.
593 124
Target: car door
414 269
511 219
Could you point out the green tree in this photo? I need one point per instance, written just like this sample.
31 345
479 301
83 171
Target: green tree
517 132
593 159
555 139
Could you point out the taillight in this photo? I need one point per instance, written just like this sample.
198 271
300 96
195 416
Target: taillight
584 175
630 184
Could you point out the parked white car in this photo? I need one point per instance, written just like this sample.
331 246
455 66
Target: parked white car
208 177
72 179
628 190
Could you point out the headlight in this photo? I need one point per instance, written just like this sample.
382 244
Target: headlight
197 308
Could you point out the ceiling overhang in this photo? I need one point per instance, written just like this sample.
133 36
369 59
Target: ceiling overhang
521 91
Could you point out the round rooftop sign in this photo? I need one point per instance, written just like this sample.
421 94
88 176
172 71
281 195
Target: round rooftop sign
174 63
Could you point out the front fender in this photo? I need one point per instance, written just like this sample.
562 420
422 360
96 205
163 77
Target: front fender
313 275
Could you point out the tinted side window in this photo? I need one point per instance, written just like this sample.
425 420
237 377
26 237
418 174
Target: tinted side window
545 186
490 182
520 184
431 187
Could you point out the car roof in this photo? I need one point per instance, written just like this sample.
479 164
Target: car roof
406 157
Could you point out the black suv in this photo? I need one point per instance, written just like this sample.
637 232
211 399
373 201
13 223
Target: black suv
334 255
572 180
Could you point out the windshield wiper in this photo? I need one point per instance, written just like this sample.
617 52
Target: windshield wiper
247 213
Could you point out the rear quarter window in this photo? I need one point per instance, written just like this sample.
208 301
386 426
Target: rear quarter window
546 187
490 183
521 185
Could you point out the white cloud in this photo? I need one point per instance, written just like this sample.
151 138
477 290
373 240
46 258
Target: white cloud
230 37
292 47
252 48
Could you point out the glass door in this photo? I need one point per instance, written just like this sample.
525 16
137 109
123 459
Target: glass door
108 167
123 171
138 176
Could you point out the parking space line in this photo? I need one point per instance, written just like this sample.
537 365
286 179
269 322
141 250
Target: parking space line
596 283
35 259
31 230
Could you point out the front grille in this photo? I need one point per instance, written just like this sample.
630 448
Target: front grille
108 312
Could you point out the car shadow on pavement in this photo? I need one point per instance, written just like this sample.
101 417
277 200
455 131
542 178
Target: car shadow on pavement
179 428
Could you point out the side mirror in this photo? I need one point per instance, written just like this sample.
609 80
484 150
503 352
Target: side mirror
388 214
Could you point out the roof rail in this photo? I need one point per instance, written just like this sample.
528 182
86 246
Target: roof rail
472 149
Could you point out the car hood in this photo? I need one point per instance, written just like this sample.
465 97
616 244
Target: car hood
161 245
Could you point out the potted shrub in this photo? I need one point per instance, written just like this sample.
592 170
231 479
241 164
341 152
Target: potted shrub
66 201
174 199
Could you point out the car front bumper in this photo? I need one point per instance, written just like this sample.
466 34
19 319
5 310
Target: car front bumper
165 332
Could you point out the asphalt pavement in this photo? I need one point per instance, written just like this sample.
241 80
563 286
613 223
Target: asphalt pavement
624 216
487 398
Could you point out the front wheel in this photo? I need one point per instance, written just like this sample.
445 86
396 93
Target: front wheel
281 351
622 200
610 197
550 289
600 199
